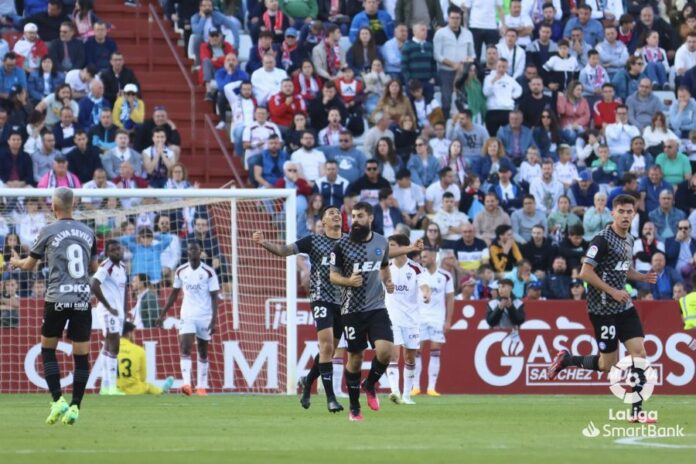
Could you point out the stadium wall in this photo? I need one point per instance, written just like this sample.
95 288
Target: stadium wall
475 359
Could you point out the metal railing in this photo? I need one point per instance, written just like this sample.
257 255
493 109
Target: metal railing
211 130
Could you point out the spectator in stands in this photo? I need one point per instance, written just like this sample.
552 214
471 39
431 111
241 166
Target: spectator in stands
256 135
655 57
59 176
418 60
369 185
597 217
264 47
515 137
90 106
307 83
48 20
319 107
391 50
682 113
472 136
604 110
449 219
98 181
685 196
294 133
127 179
84 18
593 76
328 56
557 283
506 189
645 247
103 135
212 57
228 81
243 109
435 191
394 104
31 48
273 20
158 159
620 133
667 278
55 102
410 199
292 180
533 102
79 80
206 18
120 153
386 214
500 90
547 135
269 168
146 308
117 77
546 190
83 159
9 304
423 165
42 159
100 47
129 110
626 80
377 132
380 23
160 119
539 250
524 219
409 12
574 111
666 217
505 311
681 248
44 81
65 131
362 52
492 216
292 54
30 221
675 165
285 104
573 246
309 160
651 186
171 256
530 168
67 51
16 167
389 162
350 160
562 218
147 250
685 56
331 187
612 52
592 29
648 22
637 161
11 75
471 252
266 81
643 104
504 252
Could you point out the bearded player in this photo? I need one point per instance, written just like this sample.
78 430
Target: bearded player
607 265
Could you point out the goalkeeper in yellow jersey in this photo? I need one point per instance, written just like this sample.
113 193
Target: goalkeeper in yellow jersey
132 368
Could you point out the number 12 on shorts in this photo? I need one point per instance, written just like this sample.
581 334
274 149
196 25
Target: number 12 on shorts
350 333
608 332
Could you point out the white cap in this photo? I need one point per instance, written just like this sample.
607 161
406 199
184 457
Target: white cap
30 27
130 88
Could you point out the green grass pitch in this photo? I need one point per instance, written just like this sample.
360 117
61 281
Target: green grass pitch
275 429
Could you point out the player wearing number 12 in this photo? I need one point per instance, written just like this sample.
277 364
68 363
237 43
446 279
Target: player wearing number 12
608 263
198 315
360 266
69 249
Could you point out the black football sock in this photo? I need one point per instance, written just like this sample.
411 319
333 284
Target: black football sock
80 378
376 372
585 362
313 373
640 373
353 384
326 371
51 372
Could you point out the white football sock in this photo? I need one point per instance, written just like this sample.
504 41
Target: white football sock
105 382
393 376
417 373
202 373
112 369
337 375
433 369
409 379
185 364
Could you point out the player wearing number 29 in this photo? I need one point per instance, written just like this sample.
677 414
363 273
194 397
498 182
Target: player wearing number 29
360 266
109 285
198 315
68 248
608 263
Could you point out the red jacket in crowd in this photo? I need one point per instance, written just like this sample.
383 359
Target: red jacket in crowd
206 53
282 113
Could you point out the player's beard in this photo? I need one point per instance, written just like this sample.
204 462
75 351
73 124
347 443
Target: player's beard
359 233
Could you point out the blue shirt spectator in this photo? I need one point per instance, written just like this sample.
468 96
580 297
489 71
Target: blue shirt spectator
651 186
378 21
146 253
592 30
666 217
11 75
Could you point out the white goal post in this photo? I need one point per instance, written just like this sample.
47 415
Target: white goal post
243 350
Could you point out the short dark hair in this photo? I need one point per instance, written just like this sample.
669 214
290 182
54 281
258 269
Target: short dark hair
507 282
384 193
324 209
371 161
128 327
400 239
592 52
448 195
563 43
623 199
111 242
576 230
502 230
363 206
403 173
444 171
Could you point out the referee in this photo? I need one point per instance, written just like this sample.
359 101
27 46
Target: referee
68 247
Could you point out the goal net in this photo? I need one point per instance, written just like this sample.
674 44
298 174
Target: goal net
246 354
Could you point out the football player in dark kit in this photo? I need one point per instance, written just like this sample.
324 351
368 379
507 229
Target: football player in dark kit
69 249
324 297
360 266
607 264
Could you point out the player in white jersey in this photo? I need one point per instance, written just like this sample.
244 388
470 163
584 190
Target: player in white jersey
110 286
198 315
436 318
402 306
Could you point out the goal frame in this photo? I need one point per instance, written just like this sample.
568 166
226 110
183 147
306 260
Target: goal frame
233 195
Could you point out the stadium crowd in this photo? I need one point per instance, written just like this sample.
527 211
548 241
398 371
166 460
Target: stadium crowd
500 131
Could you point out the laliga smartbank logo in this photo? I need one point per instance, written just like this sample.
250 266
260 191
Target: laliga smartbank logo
632 380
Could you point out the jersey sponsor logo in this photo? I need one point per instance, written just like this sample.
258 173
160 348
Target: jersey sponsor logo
408 276
622 266
74 288
367 266
325 260
378 252
401 288
332 258
193 287
592 251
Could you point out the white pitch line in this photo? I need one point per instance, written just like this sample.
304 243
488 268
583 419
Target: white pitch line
639 442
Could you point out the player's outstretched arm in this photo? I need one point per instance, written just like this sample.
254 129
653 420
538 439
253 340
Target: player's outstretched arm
278 250
385 275
395 252
647 278
96 289
588 274
170 301
355 280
